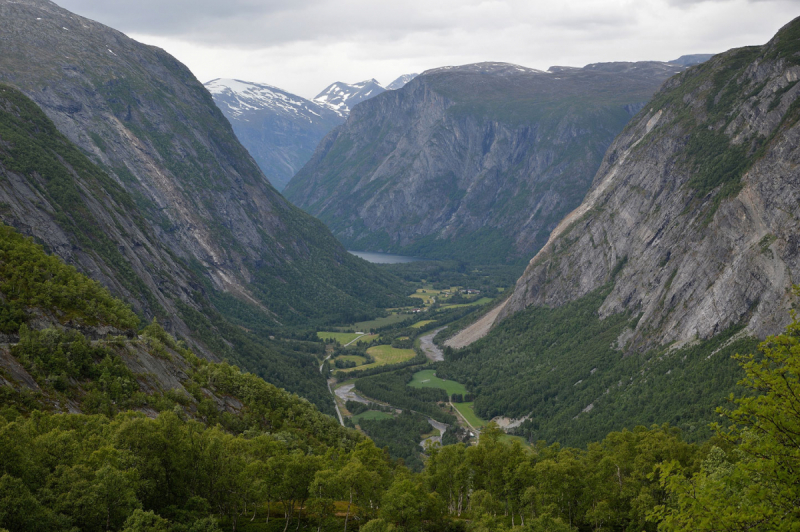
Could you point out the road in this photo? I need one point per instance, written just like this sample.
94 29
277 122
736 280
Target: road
474 430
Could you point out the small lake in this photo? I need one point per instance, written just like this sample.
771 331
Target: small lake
383 258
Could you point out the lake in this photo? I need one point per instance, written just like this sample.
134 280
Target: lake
383 258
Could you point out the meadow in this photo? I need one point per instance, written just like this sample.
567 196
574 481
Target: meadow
427 379
467 411
386 354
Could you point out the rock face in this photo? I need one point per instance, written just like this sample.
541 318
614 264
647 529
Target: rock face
694 211
145 188
279 129
477 162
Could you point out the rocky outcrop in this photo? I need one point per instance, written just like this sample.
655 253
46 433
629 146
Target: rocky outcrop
694 213
477 162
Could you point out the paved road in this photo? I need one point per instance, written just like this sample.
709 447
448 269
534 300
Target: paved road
430 349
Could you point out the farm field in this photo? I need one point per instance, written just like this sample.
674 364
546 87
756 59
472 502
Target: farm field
380 322
465 409
386 354
370 415
427 379
421 324
345 338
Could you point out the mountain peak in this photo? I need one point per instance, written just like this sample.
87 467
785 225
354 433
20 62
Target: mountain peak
401 81
341 97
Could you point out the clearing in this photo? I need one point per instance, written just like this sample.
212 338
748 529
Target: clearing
386 354
380 322
421 324
467 412
427 379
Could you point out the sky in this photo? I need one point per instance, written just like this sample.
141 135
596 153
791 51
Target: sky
304 45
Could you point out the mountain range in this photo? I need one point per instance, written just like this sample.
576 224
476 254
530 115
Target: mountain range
281 130
477 162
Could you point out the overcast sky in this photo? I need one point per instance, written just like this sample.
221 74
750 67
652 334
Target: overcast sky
304 45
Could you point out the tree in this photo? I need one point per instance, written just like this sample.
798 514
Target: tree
755 485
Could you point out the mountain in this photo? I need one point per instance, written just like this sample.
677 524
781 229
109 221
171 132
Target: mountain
400 82
477 162
684 250
341 97
279 129
693 59
117 159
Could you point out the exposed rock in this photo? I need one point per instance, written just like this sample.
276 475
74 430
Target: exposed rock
694 212
473 162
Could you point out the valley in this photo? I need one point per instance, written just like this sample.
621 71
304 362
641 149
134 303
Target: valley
575 311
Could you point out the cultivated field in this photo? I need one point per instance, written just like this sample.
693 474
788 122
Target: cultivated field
386 354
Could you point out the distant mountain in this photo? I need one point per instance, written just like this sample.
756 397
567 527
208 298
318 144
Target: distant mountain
400 82
693 59
278 128
341 97
476 162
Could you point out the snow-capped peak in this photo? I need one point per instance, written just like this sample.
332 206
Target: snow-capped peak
341 97
401 82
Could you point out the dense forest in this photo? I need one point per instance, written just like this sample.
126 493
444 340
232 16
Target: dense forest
236 453
552 364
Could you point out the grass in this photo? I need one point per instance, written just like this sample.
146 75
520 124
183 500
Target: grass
421 324
428 379
466 410
510 438
379 322
352 358
371 415
342 338
346 338
386 354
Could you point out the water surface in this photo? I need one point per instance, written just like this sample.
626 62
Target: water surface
383 258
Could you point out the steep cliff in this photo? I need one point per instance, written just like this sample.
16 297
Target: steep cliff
683 253
136 178
695 208
477 162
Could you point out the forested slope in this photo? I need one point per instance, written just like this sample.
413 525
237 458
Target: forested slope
686 242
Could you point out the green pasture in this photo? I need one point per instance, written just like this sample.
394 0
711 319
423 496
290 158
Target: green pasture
380 322
386 354
466 410
421 324
427 379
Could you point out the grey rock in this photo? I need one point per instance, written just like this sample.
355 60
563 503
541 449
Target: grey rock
692 264
490 149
